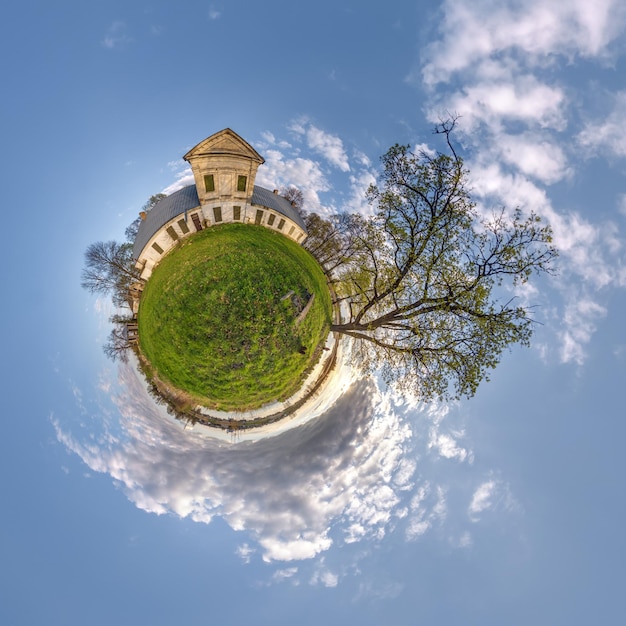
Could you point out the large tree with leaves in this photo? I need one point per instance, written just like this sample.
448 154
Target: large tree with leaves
427 283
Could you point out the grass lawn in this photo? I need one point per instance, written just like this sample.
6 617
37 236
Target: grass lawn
217 318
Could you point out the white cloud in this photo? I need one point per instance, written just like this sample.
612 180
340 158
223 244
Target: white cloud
284 574
445 444
512 98
352 476
214 13
534 156
116 35
428 509
447 447
580 320
539 29
183 178
607 135
360 182
245 552
304 162
491 495
285 491
324 577
268 137
329 146
377 590
465 540
482 499
305 174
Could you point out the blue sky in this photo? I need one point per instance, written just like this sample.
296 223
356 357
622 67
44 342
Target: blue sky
504 509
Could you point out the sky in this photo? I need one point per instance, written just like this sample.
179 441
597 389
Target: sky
506 508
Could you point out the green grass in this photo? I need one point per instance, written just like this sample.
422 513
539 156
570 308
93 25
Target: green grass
212 321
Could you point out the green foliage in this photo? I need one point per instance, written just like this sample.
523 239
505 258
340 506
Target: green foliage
214 320
427 276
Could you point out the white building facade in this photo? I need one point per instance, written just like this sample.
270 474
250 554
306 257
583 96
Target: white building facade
224 168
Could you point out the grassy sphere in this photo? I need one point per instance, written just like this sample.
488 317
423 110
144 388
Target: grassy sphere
224 316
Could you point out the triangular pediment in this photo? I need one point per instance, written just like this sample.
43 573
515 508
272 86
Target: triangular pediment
225 142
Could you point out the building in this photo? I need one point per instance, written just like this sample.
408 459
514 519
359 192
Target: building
224 167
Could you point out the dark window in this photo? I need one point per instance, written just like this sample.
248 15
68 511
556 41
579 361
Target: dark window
270 219
291 230
209 182
172 233
157 247
241 183
183 226
236 212
281 224
217 212
299 236
259 216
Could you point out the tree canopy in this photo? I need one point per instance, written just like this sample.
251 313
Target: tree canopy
294 195
109 265
110 269
425 281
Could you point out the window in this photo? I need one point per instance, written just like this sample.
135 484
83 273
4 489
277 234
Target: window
157 247
259 217
172 233
241 183
270 219
217 213
236 212
299 236
183 226
281 224
209 182
291 230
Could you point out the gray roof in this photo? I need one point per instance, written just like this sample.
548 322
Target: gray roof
186 199
162 212
265 197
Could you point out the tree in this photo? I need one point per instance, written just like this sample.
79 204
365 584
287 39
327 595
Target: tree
333 241
425 285
133 227
294 195
110 269
118 344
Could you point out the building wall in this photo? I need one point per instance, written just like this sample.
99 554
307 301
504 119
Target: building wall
225 171
173 231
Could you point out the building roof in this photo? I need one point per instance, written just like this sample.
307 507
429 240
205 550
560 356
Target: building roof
226 141
186 199
265 197
162 212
